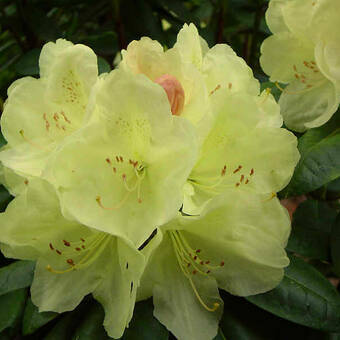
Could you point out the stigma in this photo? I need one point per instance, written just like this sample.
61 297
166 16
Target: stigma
174 91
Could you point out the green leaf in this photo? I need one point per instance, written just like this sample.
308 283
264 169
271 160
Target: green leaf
143 325
11 308
103 66
63 328
5 198
333 189
244 321
33 320
304 296
311 227
28 64
320 158
335 245
273 89
16 275
91 326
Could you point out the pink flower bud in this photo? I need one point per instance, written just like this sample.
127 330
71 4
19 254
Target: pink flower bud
174 91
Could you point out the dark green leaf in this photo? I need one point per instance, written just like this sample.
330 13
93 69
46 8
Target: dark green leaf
33 320
63 328
311 227
144 326
103 66
28 64
304 296
11 308
333 189
335 245
91 326
16 275
243 321
273 89
5 198
320 158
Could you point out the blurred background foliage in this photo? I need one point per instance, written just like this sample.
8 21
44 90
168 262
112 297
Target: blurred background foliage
306 305
109 25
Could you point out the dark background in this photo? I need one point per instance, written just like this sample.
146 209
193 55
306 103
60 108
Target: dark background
109 25
305 305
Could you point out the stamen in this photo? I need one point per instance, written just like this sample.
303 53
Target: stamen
118 206
65 117
30 142
215 89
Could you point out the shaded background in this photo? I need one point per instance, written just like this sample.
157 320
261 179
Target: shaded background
305 305
109 25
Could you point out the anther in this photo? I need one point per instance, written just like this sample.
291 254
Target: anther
51 246
237 185
224 170
108 161
26 181
83 246
47 124
58 252
215 89
198 251
82 240
222 264
238 169
78 249
70 262
65 118
207 262
194 272
247 181
251 172
230 85
66 243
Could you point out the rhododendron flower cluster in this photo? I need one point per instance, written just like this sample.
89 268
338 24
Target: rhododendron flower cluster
304 52
156 179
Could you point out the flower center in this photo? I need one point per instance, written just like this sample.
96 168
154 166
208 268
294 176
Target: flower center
174 91
131 173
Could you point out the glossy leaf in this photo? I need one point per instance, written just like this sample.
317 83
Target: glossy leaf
320 158
33 320
143 325
15 276
103 65
335 245
91 327
63 328
244 321
304 296
311 227
11 308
